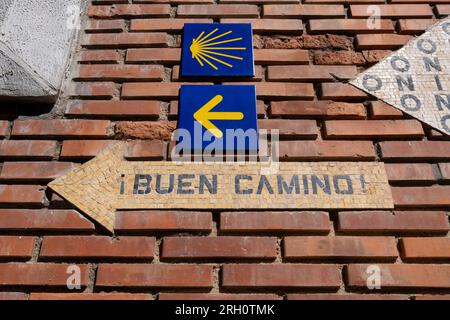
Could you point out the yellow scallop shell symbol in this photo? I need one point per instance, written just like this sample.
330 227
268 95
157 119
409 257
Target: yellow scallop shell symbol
206 50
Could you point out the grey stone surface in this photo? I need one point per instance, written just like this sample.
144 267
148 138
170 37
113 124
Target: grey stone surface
35 43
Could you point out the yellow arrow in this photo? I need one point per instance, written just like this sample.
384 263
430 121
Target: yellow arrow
204 116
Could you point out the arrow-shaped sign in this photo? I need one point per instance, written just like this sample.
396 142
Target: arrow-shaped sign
204 116
109 182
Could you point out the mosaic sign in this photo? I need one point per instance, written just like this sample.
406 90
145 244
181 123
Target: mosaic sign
220 113
109 182
213 49
416 78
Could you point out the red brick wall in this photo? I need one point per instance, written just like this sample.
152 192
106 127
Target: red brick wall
125 85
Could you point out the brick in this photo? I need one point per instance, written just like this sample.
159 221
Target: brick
94 90
218 11
343 296
16 247
162 221
445 170
443 10
260 1
411 197
104 26
148 130
310 73
150 90
323 41
25 195
414 26
61 128
410 172
121 73
114 109
44 220
343 1
303 11
341 92
370 129
4 128
351 26
228 247
342 247
108 1
126 40
90 296
342 57
374 56
155 276
303 129
83 149
97 247
271 26
386 222
433 297
393 11
24 149
436 135
281 56
217 296
380 110
99 56
303 222
425 248
280 276
169 25
161 55
39 274
417 150
280 90
13 296
130 11
145 150
402 276
35 171
381 41
326 150
319 109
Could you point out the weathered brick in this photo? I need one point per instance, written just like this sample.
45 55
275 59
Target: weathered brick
16 247
145 150
410 172
24 149
61 128
326 150
310 73
381 41
94 90
304 129
305 222
148 130
164 55
121 72
393 10
169 25
402 276
35 171
342 57
97 247
380 110
25 195
126 40
281 56
83 149
322 41
386 129
343 296
445 170
280 276
228 247
39 274
99 56
271 26
417 150
114 109
155 275
342 92
104 26
386 222
130 11
162 221
353 248
414 26
44 220
320 109
90 296
374 56
351 26
413 197
303 11
217 296
425 248
218 11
